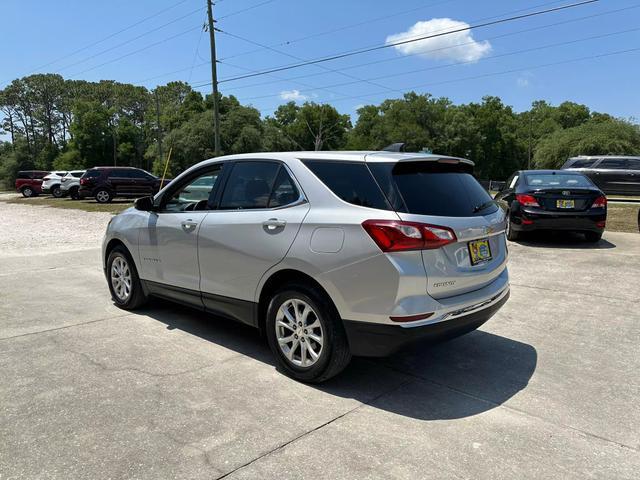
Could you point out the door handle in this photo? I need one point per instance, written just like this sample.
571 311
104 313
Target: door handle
274 223
189 225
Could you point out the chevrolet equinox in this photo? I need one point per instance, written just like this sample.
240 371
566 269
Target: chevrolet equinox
329 254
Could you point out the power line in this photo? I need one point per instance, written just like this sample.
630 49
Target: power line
144 34
486 75
403 42
467 62
238 12
97 42
339 29
138 51
394 59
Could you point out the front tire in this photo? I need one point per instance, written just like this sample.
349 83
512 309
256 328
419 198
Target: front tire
306 335
124 283
103 196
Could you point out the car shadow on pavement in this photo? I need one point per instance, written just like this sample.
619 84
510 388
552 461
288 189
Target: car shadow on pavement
460 378
572 240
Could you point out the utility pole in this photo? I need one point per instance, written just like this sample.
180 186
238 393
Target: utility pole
159 131
214 79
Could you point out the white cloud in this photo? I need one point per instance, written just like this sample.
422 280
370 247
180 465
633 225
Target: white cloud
524 80
293 95
458 46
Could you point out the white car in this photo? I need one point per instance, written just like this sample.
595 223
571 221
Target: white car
51 183
70 183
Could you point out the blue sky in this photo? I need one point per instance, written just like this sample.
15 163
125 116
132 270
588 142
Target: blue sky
502 60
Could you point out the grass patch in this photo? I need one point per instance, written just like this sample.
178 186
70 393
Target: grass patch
88 205
622 217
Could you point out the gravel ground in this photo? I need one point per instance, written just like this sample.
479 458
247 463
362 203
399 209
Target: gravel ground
25 229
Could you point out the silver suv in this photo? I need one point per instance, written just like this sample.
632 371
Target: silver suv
329 254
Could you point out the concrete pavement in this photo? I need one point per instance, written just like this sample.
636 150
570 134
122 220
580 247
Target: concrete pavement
547 389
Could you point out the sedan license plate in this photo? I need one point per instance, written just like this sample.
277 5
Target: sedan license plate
479 251
565 204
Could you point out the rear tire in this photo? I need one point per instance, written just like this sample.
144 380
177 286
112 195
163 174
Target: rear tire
56 191
27 192
124 283
73 193
512 235
593 237
319 333
103 196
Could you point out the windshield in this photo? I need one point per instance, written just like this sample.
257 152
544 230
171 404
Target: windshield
557 180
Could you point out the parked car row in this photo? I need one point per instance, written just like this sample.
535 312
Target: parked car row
102 183
614 175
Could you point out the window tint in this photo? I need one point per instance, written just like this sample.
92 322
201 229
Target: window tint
77 174
196 194
284 191
23 175
633 163
613 163
583 163
350 181
557 180
249 185
141 174
92 173
429 188
119 173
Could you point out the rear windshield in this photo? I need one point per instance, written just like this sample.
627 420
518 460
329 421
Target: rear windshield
430 188
557 180
91 174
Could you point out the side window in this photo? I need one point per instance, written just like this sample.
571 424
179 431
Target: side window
196 194
351 181
583 163
249 185
23 175
613 163
118 173
633 163
284 191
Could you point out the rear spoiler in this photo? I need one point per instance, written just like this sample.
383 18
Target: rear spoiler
383 156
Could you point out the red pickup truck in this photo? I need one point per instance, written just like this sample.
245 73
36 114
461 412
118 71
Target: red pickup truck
29 182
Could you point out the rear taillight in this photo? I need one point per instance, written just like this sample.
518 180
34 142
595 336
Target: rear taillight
600 202
527 200
396 236
84 181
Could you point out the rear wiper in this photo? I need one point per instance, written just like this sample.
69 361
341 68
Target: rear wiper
481 207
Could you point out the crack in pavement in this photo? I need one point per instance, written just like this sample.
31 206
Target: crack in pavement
315 429
89 322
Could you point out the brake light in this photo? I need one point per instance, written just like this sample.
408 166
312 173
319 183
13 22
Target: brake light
527 200
84 181
600 202
396 236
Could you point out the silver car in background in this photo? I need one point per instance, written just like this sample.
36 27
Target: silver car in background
70 183
329 254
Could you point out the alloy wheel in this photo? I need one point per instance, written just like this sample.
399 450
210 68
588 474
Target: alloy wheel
121 279
102 196
299 332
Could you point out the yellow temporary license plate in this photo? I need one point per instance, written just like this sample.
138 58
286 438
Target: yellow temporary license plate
479 251
565 204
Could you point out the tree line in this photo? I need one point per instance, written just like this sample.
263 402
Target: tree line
55 123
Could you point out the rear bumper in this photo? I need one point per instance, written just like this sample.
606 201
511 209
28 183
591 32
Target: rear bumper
575 221
85 192
379 340
45 190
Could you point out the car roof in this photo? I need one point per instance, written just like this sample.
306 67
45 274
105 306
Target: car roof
352 156
589 157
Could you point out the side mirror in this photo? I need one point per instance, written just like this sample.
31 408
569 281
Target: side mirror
144 204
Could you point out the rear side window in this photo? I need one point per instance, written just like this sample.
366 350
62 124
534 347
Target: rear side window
76 174
613 163
350 181
429 188
633 163
284 191
23 175
582 163
249 185
39 174
92 174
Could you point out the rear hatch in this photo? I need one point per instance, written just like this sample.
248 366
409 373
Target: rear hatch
445 194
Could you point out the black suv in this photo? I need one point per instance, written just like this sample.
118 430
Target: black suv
107 183
614 175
